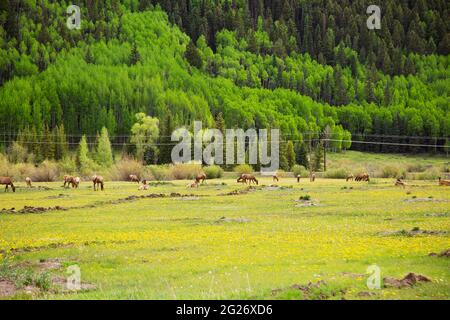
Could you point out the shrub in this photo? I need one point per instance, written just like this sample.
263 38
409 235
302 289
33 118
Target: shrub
300 170
305 197
213 172
23 170
430 174
243 168
160 173
17 153
416 167
185 171
123 168
67 165
46 172
336 174
391 172
281 173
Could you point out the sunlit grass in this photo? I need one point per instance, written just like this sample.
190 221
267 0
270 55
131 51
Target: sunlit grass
168 248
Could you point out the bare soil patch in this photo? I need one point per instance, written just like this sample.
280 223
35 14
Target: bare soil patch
408 281
443 254
231 220
413 232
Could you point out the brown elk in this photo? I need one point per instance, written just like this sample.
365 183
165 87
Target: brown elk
246 177
400 182
350 177
28 182
134 178
67 180
443 182
200 177
362 177
298 178
275 178
312 177
8 182
98 181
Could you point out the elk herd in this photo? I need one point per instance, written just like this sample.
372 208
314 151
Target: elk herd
245 178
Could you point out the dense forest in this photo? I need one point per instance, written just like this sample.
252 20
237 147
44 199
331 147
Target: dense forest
311 68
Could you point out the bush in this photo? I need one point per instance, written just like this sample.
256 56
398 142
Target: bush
67 165
300 170
46 172
160 173
430 174
23 170
243 168
185 171
213 172
336 174
17 153
392 172
122 169
416 167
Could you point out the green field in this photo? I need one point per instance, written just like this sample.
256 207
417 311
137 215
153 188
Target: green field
183 247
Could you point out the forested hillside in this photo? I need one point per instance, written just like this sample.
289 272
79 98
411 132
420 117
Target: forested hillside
300 66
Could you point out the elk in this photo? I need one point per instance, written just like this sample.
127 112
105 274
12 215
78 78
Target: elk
275 178
400 182
350 177
67 180
8 182
246 177
312 177
76 182
362 177
192 185
298 178
444 182
98 181
200 177
134 178
28 182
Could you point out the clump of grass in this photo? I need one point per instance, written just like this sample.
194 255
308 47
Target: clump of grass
306 197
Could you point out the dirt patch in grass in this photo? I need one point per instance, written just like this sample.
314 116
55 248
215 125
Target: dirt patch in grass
366 294
443 254
30 209
239 191
312 291
59 196
50 264
7 288
231 220
274 187
60 286
412 200
413 232
406 282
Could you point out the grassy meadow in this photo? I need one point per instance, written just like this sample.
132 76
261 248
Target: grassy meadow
210 245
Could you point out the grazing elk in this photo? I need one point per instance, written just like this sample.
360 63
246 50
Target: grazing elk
8 182
400 182
275 178
98 181
28 182
192 185
200 177
246 177
134 178
362 177
444 182
312 177
350 177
